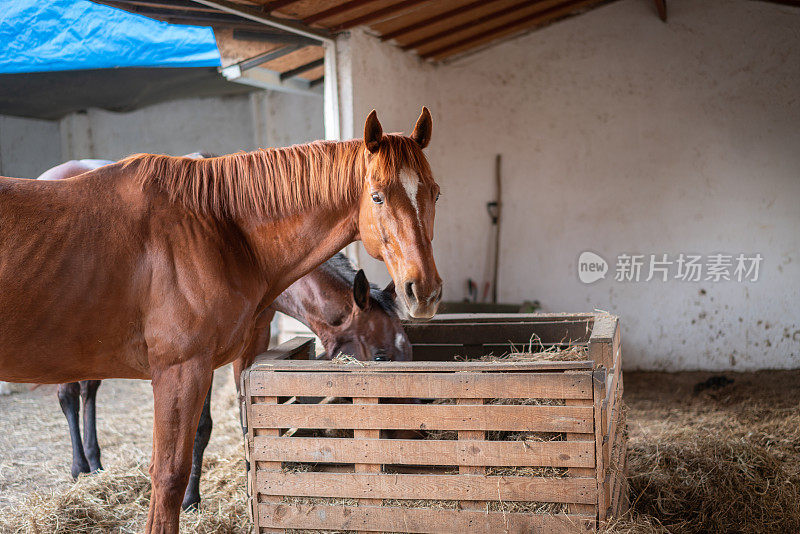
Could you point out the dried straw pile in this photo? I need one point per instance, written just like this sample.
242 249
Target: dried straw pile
716 460
116 501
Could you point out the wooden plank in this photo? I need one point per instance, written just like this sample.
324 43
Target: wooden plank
601 454
516 25
576 385
395 519
445 487
414 367
581 471
424 417
477 21
434 19
426 452
265 466
466 436
605 327
367 435
335 10
520 333
497 317
302 347
377 15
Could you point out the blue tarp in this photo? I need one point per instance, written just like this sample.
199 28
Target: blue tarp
58 35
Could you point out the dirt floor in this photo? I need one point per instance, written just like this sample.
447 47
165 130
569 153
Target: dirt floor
705 456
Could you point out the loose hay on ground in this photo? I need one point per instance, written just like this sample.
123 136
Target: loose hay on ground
117 500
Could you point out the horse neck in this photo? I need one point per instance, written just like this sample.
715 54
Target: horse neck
291 246
303 300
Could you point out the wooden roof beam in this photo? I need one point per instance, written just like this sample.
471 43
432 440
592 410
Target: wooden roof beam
534 19
257 15
303 68
661 6
376 15
269 7
336 10
467 25
434 19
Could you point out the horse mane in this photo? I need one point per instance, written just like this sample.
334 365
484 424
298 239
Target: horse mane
276 181
339 265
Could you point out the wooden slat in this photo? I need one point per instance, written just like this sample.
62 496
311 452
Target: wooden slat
425 452
605 326
395 519
415 367
539 18
336 10
478 21
445 487
274 466
601 450
301 347
367 436
420 417
582 471
519 333
434 19
576 385
378 14
497 317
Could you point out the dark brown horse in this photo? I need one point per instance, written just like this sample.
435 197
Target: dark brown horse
159 267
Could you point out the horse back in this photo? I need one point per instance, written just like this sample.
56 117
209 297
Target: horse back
68 256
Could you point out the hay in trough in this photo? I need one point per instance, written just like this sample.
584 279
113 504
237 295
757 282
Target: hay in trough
536 351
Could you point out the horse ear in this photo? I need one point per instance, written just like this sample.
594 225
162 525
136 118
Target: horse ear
373 132
389 290
422 130
361 290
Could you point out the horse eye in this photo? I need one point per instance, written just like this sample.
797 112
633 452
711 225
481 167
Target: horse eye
377 198
437 197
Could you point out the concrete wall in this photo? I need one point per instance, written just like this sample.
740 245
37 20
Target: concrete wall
28 146
219 125
619 134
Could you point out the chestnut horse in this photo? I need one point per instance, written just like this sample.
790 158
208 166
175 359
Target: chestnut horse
159 267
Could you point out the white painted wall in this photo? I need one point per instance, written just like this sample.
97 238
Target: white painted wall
619 134
28 146
218 125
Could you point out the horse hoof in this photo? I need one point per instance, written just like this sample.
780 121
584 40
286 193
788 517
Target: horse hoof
190 504
78 470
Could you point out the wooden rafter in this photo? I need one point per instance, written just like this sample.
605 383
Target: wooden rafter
469 24
303 68
162 4
275 5
434 19
376 15
336 10
661 6
534 19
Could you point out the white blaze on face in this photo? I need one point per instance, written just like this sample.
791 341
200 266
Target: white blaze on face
410 183
399 342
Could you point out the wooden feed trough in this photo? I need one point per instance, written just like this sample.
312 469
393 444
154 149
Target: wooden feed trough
503 445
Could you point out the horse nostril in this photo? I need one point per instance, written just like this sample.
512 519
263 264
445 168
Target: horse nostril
410 290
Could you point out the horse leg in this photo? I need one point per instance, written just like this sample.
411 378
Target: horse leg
192 496
91 447
178 393
69 398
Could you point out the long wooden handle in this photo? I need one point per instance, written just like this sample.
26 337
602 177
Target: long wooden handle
498 199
